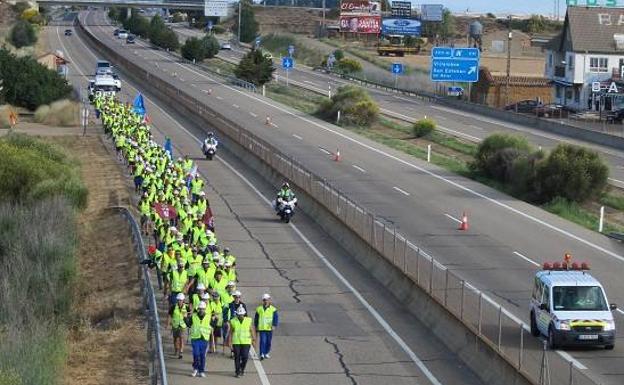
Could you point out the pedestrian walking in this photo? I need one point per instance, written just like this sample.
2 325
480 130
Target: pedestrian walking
177 314
265 321
200 336
240 340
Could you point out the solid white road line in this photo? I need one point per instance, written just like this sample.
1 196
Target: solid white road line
324 151
401 191
529 260
355 166
620 311
476 127
452 217
297 136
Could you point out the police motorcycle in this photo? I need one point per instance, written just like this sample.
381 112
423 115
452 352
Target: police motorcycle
209 147
285 204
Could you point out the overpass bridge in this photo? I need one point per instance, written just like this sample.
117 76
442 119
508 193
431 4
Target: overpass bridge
127 3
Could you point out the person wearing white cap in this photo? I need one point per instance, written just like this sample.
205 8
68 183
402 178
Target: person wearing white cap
241 337
177 313
200 336
265 321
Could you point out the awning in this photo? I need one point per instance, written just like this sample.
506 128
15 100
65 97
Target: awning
562 83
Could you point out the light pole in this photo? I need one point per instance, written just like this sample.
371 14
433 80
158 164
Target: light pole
239 20
509 36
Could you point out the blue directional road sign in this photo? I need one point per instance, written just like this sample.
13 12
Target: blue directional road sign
455 64
397 68
288 63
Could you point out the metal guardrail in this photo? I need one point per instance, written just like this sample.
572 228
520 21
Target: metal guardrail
494 325
157 368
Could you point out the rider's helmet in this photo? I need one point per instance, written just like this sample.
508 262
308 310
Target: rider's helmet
210 134
285 185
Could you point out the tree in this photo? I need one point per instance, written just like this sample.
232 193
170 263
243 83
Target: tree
138 25
255 68
535 24
28 83
169 40
113 13
211 46
194 49
249 25
447 26
23 34
349 66
156 28
356 107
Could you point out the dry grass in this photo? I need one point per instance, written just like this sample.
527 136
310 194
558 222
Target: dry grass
107 341
4 115
63 113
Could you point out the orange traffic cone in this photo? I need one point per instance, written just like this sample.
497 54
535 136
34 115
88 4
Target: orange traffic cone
463 225
337 156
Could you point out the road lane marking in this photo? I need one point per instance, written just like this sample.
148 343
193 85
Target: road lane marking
194 85
253 114
529 260
476 127
309 82
297 136
433 174
616 180
219 97
401 191
453 218
620 311
235 106
355 166
324 150
568 357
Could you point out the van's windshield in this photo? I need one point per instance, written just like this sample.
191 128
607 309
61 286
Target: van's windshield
579 298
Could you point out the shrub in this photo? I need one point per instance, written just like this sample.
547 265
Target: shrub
423 127
178 17
22 34
571 172
59 113
255 68
32 16
193 49
496 154
349 66
218 29
355 105
30 84
211 46
338 55
20 7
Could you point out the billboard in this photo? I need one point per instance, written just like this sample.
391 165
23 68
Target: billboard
215 8
431 12
402 9
360 24
360 7
405 27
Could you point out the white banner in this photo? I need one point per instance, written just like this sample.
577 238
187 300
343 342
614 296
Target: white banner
215 8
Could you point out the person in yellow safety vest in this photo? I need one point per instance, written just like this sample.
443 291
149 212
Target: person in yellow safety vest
218 283
201 332
265 321
197 184
187 164
167 266
229 272
179 282
146 209
201 205
228 257
206 273
177 314
217 320
199 230
197 297
240 340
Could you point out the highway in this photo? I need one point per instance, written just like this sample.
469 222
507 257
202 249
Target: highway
507 238
328 334
465 125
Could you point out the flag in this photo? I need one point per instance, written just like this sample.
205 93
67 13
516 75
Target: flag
146 119
138 106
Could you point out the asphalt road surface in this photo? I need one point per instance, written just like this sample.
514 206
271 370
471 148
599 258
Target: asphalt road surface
327 335
506 240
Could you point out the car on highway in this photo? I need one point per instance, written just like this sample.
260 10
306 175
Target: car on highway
123 34
551 110
116 32
130 39
68 32
524 106
570 308
226 46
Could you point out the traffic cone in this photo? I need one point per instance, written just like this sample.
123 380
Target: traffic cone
463 225
337 156
268 120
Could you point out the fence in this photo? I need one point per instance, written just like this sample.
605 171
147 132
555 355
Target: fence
503 332
157 369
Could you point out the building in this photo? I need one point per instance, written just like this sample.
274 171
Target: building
490 89
585 61
54 61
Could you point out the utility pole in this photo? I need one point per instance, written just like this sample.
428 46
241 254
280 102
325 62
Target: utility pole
323 22
239 20
509 36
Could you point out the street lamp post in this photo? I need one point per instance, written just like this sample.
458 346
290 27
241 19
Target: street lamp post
509 36
239 21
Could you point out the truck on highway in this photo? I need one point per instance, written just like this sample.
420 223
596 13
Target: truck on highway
395 45
105 85
570 307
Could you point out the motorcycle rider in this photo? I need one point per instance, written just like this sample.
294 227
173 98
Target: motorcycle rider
285 194
211 140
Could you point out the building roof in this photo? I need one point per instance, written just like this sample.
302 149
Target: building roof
514 80
567 278
58 58
590 29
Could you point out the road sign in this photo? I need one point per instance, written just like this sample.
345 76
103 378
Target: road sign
288 63
291 50
402 9
215 8
432 12
397 68
455 64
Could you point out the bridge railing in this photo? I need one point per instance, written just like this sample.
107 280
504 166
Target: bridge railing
491 323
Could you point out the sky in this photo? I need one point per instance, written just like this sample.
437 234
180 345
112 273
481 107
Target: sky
545 7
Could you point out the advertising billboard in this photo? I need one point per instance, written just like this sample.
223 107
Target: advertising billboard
402 9
405 27
360 24
360 7
431 12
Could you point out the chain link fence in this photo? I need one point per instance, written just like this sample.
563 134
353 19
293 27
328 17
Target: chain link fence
498 328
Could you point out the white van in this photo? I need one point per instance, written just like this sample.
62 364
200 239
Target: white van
570 307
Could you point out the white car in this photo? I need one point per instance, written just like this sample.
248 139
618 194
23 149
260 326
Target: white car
123 34
227 46
569 307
